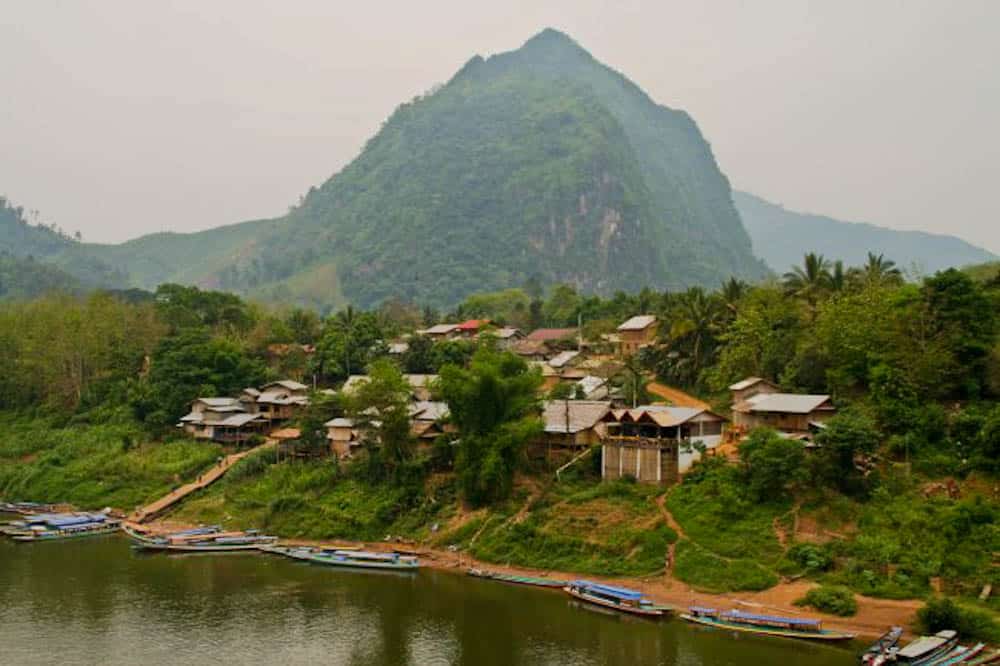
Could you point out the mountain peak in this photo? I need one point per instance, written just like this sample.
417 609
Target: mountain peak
552 41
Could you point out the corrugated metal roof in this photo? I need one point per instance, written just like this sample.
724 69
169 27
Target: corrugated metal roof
439 329
339 423
745 384
546 334
220 402
638 323
562 358
572 416
429 410
787 403
289 384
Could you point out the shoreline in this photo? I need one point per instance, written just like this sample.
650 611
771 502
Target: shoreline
873 618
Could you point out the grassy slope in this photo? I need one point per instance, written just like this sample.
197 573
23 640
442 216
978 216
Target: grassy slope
92 466
611 529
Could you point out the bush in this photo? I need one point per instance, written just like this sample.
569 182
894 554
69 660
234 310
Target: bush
829 599
971 623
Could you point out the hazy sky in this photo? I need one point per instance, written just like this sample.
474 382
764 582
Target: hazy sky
118 118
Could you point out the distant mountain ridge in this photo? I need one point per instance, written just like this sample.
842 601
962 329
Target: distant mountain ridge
781 237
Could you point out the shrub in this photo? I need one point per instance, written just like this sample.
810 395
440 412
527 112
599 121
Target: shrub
830 599
971 623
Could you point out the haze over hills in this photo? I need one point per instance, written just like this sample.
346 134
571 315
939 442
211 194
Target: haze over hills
540 162
537 163
781 237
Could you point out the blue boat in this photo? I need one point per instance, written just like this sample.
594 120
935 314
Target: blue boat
618 598
54 526
765 625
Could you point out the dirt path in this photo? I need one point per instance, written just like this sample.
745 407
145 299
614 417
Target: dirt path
676 396
661 503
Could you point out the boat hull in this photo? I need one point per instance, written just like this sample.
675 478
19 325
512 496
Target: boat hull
339 562
29 537
142 542
824 635
604 603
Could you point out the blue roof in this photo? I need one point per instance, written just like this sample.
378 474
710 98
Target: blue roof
609 590
62 520
772 618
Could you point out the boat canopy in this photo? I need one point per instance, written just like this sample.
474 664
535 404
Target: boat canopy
609 590
63 520
775 619
703 610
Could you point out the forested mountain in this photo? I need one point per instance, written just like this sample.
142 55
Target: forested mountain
538 163
781 237
24 278
56 258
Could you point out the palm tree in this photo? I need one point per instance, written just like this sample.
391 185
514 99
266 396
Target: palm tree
879 270
809 280
692 339
344 321
732 293
838 277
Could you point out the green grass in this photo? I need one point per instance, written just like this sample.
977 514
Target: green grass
705 571
93 466
316 500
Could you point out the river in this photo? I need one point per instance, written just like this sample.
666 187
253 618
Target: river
95 601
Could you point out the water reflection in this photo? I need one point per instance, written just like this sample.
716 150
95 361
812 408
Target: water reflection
98 602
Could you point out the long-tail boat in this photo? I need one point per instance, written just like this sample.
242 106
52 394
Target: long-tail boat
924 651
765 625
357 559
57 526
990 658
200 540
617 598
26 508
961 655
882 647
515 579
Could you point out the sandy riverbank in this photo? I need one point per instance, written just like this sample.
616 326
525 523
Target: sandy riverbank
874 616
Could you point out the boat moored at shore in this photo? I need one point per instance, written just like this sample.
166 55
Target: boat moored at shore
57 526
358 559
198 540
765 625
617 598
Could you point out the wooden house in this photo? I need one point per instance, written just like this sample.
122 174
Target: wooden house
574 423
656 443
225 420
636 333
785 412
282 400
343 437
750 387
440 332
420 385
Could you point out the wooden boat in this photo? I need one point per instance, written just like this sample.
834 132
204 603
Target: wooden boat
991 658
201 540
882 646
57 526
516 580
925 650
960 655
765 625
618 598
356 559
25 508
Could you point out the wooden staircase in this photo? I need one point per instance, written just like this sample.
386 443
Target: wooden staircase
203 481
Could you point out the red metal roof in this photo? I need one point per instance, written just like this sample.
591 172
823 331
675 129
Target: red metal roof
473 324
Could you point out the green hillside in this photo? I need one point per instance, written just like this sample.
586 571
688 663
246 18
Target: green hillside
781 237
538 163
541 162
23 278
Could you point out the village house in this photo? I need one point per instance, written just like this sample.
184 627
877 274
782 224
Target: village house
657 443
470 328
427 423
282 400
506 336
439 332
636 333
225 420
420 385
574 423
789 413
342 436
750 387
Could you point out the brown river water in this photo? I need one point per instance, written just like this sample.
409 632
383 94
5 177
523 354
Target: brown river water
96 601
